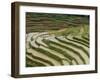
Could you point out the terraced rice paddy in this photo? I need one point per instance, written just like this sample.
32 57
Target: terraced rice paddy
65 46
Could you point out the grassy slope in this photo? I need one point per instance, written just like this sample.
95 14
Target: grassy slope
40 22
